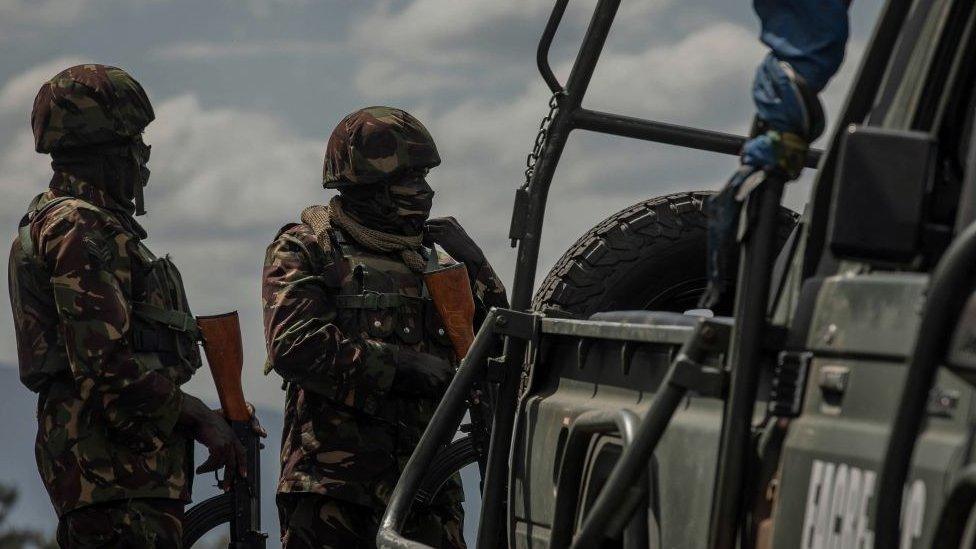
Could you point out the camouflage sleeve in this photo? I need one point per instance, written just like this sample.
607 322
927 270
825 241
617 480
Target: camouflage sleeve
488 287
304 344
91 275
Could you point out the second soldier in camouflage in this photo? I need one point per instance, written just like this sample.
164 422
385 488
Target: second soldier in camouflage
350 328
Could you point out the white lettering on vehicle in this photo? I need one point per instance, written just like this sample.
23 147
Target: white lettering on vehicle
836 513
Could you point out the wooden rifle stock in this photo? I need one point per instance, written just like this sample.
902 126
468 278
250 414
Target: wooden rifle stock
451 291
225 354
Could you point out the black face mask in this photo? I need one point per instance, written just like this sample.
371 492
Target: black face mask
399 207
119 170
139 152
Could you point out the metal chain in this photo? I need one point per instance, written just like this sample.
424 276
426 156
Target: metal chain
541 137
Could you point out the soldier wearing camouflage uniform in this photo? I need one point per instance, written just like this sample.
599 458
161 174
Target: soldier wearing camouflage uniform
350 328
104 332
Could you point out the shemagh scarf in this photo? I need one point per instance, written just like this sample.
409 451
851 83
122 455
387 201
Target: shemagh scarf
322 218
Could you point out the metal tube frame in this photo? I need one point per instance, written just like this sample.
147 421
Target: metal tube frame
439 431
758 252
571 115
571 465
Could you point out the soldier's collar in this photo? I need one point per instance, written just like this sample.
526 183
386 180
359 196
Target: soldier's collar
65 184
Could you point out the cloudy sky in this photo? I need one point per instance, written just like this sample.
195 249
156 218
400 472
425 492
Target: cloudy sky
247 91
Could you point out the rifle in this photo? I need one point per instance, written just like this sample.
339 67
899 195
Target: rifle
240 505
450 289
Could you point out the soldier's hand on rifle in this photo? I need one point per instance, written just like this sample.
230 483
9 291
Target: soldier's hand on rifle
421 374
448 234
212 430
255 425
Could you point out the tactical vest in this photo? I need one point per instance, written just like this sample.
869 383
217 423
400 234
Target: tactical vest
381 298
163 331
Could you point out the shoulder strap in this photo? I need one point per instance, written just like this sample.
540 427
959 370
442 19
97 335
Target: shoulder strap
33 211
173 319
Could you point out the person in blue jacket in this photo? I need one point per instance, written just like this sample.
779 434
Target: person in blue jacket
807 40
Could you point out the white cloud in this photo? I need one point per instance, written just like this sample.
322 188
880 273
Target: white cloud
439 31
418 47
484 141
17 94
223 181
690 80
43 12
226 169
24 172
55 13
216 51
265 8
224 178
388 78
412 49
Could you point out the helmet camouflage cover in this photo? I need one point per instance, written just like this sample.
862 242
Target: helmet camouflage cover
375 143
89 105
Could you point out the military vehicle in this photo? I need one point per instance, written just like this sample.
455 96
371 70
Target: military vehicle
830 405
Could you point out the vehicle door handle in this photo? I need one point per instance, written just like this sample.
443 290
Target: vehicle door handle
834 379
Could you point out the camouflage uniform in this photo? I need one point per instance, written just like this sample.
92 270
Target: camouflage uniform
337 313
137 524
104 333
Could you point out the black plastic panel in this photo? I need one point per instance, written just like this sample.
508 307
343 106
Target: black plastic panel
882 181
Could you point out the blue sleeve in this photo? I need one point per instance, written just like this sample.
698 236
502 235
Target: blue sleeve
810 35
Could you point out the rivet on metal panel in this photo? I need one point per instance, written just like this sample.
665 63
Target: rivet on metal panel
829 334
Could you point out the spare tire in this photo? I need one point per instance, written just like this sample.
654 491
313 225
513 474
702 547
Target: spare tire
650 256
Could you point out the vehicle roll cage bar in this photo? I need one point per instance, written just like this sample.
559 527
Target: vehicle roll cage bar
752 301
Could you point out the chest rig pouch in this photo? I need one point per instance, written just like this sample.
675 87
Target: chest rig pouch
382 299
163 327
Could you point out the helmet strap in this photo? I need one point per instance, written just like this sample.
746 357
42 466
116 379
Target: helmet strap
140 197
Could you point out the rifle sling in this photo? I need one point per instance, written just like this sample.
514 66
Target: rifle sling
174 320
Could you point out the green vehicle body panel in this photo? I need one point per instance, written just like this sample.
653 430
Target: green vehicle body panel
865 325
862 330
618 373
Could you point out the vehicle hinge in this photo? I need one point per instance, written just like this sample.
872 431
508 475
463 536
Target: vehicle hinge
517 324
520 214
789 382
710 339
706 381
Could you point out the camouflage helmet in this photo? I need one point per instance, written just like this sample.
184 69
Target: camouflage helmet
375 143
89 105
